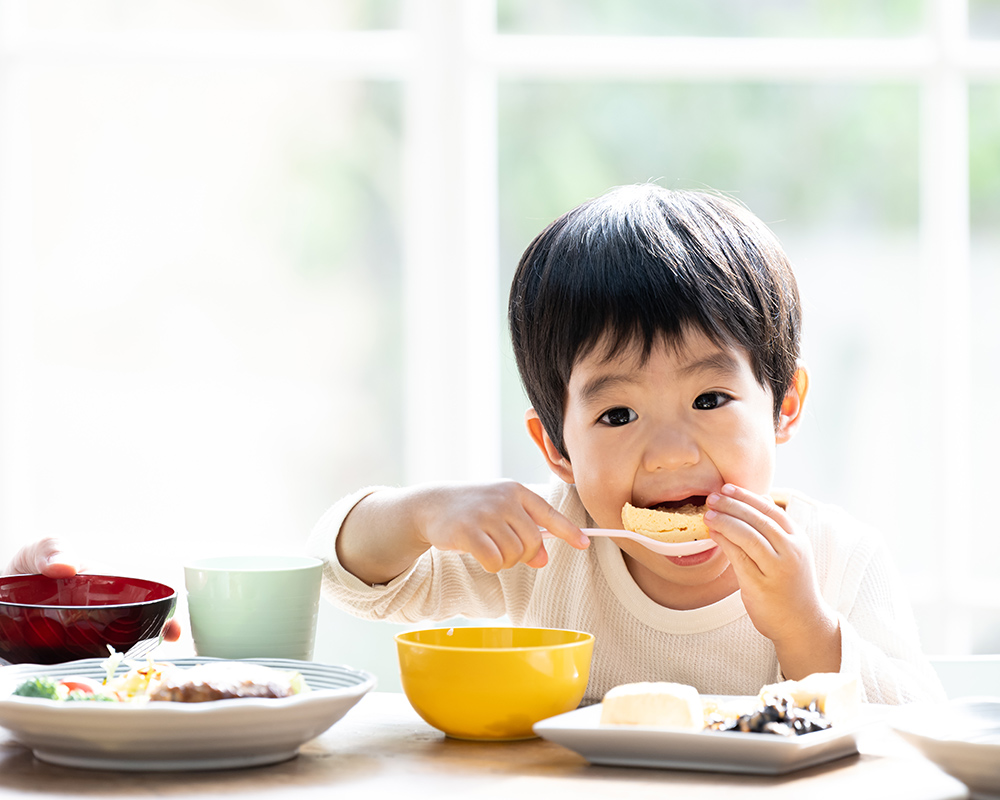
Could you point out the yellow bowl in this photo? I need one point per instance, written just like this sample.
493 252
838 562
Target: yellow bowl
493 683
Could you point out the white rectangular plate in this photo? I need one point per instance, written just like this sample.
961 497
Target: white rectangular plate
714 751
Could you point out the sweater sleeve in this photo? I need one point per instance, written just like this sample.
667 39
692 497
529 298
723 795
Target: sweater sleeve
437 586
880 641
879 638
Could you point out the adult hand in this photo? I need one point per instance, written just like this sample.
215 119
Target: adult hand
47 557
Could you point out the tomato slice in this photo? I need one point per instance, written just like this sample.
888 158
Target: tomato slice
78 686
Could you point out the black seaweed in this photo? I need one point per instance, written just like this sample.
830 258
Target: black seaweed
777 715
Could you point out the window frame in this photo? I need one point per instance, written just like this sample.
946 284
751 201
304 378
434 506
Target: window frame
450 58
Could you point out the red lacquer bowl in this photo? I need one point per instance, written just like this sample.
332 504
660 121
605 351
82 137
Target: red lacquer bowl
48 620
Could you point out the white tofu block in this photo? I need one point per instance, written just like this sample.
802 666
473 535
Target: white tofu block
660 704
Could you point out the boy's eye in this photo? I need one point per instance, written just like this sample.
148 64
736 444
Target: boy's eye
619 416
710 400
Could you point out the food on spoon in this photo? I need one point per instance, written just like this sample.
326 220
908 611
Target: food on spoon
668 705
790 708
685 523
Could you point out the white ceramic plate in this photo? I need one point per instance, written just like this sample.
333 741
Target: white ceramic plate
714 751
961 736
222 734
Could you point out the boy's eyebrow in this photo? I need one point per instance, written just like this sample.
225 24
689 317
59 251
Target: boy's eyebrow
595 386
719 362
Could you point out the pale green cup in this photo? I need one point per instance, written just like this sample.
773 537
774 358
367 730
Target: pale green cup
254 606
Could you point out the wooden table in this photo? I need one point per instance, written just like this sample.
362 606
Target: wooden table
381 750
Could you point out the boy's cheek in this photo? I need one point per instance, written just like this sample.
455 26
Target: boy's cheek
606 511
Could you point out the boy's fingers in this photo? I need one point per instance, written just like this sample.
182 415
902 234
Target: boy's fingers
763 504
507 542
740 523
737 555
532 549
518 542
745 516
539 559
488 554
752 547
477 543
545 516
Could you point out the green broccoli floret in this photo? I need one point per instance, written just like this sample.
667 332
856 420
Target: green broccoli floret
38 687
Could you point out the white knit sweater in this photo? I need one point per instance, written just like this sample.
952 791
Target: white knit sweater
715 648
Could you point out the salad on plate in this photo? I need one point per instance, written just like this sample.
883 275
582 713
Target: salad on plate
165 682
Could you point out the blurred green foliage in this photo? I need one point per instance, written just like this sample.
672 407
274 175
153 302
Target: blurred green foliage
825 155
214 14
984 158
343 204
713 17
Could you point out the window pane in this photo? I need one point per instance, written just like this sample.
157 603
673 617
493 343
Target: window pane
984 19
216 306
984 118
211 14
713 17
833 170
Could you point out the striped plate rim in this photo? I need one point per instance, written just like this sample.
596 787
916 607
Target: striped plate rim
318 676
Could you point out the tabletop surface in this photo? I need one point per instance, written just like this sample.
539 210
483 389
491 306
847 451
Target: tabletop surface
382 749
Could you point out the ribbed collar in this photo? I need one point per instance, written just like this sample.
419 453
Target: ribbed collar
669 620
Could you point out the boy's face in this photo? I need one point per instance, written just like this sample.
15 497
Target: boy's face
680 426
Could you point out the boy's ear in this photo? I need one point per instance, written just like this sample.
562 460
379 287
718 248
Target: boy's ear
557 462
790 415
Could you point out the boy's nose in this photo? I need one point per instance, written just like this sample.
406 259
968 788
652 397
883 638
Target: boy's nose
670 448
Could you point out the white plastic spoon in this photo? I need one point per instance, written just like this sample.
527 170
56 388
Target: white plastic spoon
663 548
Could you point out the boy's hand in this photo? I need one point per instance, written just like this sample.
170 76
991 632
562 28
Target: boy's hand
496 523
777 578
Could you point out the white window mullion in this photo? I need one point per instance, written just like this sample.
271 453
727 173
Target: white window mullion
481 243
17 521
946 285
451 347
364 54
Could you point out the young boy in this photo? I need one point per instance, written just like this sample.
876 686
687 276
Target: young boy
657 336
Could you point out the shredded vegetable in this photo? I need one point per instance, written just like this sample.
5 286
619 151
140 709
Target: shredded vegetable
166 682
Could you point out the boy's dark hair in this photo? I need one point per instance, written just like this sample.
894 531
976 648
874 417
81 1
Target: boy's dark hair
640 263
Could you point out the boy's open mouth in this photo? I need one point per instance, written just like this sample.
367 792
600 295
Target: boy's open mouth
671 505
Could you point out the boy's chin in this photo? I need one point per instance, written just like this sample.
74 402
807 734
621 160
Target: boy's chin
688 571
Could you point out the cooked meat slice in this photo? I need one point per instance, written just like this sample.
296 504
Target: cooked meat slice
222 681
